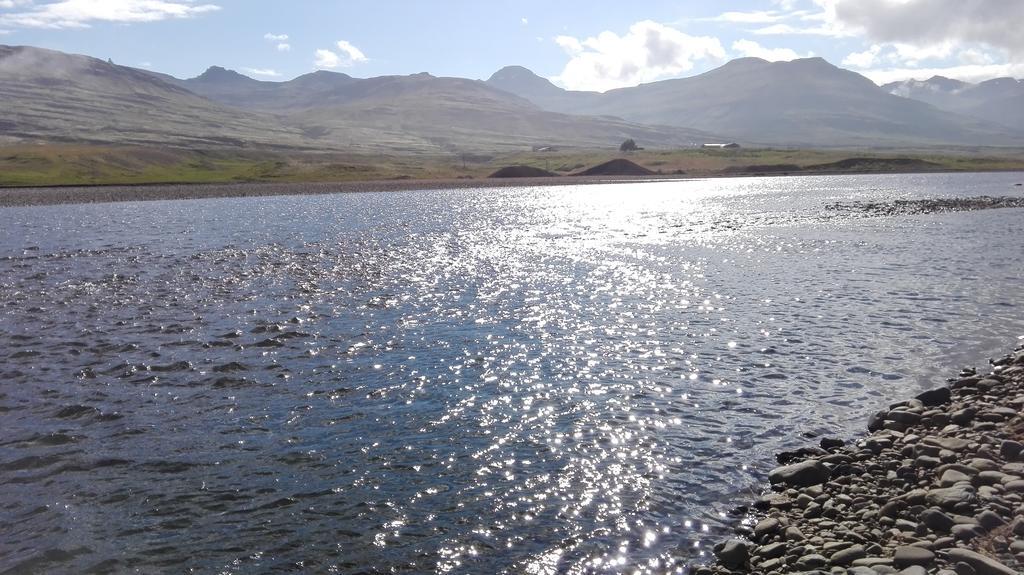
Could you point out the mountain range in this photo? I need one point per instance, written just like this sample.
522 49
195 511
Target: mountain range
53 96
999 101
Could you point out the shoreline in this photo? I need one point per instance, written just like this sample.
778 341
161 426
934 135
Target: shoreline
110 193
936 487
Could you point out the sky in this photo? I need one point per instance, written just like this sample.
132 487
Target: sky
582 45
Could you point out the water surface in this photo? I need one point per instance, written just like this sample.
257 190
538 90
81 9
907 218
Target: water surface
477 381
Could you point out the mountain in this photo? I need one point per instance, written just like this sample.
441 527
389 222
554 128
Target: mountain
49 95
803 102
52 96
522 82
1000 100
61 97
421 112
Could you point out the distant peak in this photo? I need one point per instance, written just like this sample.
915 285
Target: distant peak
814 61
219 73
509 72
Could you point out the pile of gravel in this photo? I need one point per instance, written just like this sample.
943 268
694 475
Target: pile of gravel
936 488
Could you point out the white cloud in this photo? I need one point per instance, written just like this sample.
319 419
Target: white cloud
910 55
819 22
649 51
263 72
346 55
8 4
271 37
928 23
146 64
975 56
284 47
755 50
865 59
81 13
524 21
326 59
754 17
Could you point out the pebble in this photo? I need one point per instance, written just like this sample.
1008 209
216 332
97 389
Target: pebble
937 488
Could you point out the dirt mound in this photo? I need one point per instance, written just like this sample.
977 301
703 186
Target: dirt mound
873 164
521 172
616 167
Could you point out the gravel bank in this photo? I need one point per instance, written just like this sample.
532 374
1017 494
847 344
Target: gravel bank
928 206
96 194
937 487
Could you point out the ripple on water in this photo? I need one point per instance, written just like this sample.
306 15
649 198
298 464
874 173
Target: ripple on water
534 380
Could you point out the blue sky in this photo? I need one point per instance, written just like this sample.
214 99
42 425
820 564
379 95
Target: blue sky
578 44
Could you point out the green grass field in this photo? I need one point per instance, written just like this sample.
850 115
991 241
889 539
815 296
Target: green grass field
67 164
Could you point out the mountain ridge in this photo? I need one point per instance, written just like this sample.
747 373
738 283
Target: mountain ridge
804 102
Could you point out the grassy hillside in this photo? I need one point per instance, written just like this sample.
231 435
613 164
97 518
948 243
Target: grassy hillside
69 164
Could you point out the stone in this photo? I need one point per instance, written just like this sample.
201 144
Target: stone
733 554
950 443
951 477
914 570
766 528
965 569
990 520
907 555
812 561
950 497
828 443
938 396
1016 486
772 551
937 521
848 555
876 421
981 564
904 417
965 532
964 416
793 534
803 474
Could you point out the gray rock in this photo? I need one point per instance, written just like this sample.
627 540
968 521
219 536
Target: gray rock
848 555
964 416
914 570
733 554
990 520
950 443
803 474
951 477
937 521
966 532
964 569
982 565
950 497
907 555
812 561
766 528
1016 486
938 396
904 417
793 534
772 551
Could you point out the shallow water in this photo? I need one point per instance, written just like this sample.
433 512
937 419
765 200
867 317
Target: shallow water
529 380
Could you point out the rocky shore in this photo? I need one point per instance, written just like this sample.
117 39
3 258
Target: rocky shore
927 206
937 487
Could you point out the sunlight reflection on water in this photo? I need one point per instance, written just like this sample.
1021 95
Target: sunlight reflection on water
537 380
